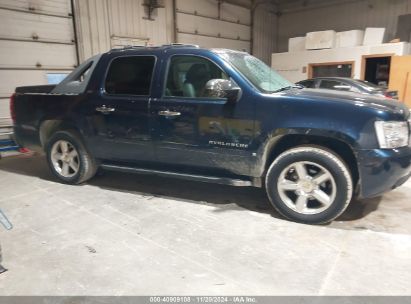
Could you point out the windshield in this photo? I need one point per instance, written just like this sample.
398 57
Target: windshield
257 72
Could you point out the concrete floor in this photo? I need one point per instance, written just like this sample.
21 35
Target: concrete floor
125 234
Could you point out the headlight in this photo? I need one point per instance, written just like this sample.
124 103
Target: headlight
392 134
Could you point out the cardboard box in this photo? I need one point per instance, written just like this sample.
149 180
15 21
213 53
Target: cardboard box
320 40
296 44
374 35
349 38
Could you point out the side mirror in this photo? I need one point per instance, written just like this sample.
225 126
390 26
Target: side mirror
342 87
223 88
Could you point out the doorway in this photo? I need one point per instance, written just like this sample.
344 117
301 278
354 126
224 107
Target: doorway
376 69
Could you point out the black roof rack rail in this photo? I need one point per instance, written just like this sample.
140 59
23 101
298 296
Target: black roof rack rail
129 47
133 46
126 47
181 45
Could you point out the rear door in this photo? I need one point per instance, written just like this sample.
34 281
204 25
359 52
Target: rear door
121 111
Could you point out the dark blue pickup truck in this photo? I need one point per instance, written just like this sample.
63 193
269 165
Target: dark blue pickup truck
219 116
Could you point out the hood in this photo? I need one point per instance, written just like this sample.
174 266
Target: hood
356 99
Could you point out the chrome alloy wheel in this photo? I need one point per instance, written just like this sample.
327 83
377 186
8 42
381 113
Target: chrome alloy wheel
307 187
65 158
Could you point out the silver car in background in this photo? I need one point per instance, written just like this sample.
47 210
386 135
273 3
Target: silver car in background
347 84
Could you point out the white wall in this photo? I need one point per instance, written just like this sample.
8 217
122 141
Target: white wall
296 19
291 65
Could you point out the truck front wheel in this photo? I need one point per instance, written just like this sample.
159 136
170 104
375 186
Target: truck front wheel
309 184
68 158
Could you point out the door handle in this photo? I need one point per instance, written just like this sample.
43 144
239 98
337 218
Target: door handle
169 113
105 110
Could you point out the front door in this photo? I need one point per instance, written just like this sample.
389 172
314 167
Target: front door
193 128
121 113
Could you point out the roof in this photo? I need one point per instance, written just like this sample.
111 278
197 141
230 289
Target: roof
172 46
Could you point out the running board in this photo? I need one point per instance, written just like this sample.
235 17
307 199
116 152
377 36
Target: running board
192 177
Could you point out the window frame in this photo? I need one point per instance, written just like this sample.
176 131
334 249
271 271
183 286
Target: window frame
165 80
104 91
311 81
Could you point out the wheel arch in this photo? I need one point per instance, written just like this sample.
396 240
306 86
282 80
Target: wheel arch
49 126
340 147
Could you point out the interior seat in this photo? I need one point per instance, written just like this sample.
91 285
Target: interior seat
196 78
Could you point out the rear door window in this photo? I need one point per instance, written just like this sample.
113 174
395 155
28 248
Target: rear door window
130 75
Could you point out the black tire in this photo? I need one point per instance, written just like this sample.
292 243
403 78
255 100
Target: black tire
87 165
308 155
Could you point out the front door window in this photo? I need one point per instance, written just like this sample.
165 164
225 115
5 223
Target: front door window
188 75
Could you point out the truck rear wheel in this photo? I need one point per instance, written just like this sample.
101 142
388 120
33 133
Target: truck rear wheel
309 184
68 158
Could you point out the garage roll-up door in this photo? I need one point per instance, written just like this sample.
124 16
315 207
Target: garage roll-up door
36 44
213 24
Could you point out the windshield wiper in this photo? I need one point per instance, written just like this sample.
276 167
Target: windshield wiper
296 86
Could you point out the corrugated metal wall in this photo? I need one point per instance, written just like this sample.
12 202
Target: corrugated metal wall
128 19
297 19
92 25
213 23
265 32
103 24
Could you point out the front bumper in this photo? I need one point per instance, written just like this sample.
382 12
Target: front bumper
382 170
